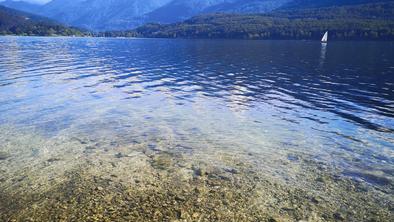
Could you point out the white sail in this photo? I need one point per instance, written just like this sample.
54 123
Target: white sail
325 37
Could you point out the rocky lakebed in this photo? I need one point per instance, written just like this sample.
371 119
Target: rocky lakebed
65 178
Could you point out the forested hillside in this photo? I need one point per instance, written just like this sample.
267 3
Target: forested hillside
327 3
351 22
13 22
107 15
292 19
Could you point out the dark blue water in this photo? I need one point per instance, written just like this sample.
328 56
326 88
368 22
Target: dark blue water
334 102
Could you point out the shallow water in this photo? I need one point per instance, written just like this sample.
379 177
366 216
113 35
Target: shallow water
292 112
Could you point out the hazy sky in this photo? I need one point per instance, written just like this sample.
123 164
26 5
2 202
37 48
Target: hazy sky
32 1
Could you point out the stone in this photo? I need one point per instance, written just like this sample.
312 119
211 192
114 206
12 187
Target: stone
200 171
321 179
338 216
179 198
293 157
4 155
99 188
162 162
195 215
51 160
199 190
233 171
152 146
119 155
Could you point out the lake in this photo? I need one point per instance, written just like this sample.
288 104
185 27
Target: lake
103 129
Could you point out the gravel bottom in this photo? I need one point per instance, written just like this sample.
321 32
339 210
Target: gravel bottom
78 179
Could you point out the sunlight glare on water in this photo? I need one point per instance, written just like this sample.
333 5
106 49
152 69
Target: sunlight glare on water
273 101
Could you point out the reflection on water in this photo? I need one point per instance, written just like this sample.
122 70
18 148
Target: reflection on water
271 101
323 53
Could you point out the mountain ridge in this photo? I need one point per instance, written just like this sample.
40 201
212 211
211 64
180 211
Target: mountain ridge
374 21
103 15
14 22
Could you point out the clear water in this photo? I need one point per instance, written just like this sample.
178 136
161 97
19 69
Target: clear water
270 100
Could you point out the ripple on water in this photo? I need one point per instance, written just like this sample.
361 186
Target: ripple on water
308 117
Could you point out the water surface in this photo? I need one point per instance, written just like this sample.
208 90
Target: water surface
287 108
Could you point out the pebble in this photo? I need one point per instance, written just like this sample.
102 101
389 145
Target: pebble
152 146
199 190
99 188
149 153
339 216
316 200
195 215
200 171
179 198
53 160
232 171
321 179
4 155
293 157
120 155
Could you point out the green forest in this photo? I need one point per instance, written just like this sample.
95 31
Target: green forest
360 22
13 22
373 21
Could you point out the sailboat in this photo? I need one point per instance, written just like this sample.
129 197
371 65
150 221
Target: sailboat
325 38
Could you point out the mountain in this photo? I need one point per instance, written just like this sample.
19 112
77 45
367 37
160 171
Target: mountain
179 10
93 14
126 14
327 3
248 6
14 22
102 15
346 22
21 6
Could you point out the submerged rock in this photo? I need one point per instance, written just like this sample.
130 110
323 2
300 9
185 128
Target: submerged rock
200 172
232 171
339 216
120 155
162 162
293 157
50 160
370 177
90 148
4 155
99 188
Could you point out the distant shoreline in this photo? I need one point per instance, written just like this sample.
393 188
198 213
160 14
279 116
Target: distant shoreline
141 37
360 22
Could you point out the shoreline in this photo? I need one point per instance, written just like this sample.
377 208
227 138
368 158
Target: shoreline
213 39
81 178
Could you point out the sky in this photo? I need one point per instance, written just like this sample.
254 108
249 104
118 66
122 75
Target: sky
32 1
